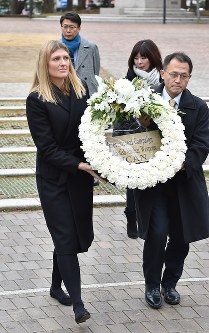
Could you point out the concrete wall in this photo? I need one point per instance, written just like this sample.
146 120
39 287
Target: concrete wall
130 3
172 4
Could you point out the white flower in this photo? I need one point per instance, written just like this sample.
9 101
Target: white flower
124 87
121 97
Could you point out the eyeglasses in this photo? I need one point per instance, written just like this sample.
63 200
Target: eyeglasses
69 27
175 75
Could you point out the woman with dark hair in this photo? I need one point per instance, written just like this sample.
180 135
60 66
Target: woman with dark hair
145 62
64 180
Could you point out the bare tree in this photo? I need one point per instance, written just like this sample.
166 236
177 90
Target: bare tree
48 6
183 4
81 4
69 5
14 7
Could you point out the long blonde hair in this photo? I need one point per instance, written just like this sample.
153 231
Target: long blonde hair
41 81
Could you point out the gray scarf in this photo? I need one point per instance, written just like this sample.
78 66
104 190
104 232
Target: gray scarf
151 78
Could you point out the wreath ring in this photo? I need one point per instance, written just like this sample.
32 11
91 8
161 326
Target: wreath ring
165 163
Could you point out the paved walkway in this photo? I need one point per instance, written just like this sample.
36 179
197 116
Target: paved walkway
112 279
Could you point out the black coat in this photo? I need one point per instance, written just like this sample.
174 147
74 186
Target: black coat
66 194
130 74
189 184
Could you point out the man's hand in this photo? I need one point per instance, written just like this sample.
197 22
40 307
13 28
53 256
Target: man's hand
144 121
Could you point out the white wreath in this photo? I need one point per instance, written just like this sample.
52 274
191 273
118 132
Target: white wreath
164 165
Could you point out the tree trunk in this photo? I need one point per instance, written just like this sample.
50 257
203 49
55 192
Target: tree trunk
81 4
48 6
183 4
206 4
69 5
14 7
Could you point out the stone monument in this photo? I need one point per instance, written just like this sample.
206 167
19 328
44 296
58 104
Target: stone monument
147 4
134 7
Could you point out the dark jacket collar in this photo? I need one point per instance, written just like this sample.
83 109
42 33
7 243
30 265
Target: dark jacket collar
187 100
62 100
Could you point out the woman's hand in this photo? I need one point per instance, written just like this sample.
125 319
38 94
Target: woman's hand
144 121
86 167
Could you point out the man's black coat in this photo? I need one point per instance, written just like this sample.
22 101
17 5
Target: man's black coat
189 184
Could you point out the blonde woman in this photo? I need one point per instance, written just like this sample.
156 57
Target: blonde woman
64 180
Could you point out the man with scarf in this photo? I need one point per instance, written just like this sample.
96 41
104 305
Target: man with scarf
84 54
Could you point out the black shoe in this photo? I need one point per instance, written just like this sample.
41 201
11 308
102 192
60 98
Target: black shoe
171 296
61 296
153 297
81 316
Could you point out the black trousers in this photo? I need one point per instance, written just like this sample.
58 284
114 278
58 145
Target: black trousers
66 268
130 202
165 243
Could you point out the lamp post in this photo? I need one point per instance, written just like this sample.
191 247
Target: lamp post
198 10
30 8
164 11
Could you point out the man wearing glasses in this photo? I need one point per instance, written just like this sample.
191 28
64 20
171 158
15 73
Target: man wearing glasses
84 54
175 213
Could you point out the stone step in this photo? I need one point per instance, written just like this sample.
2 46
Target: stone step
9 119
148 19
15 138
111 15
19 159
34 203
12 111
157 18
13 150
17 172
18 187
153 12
15 133
15 184
12 141
13 123
157 10
12 100
21 193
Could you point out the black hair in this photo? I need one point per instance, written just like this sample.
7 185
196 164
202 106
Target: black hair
181 57
72 16
148 49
